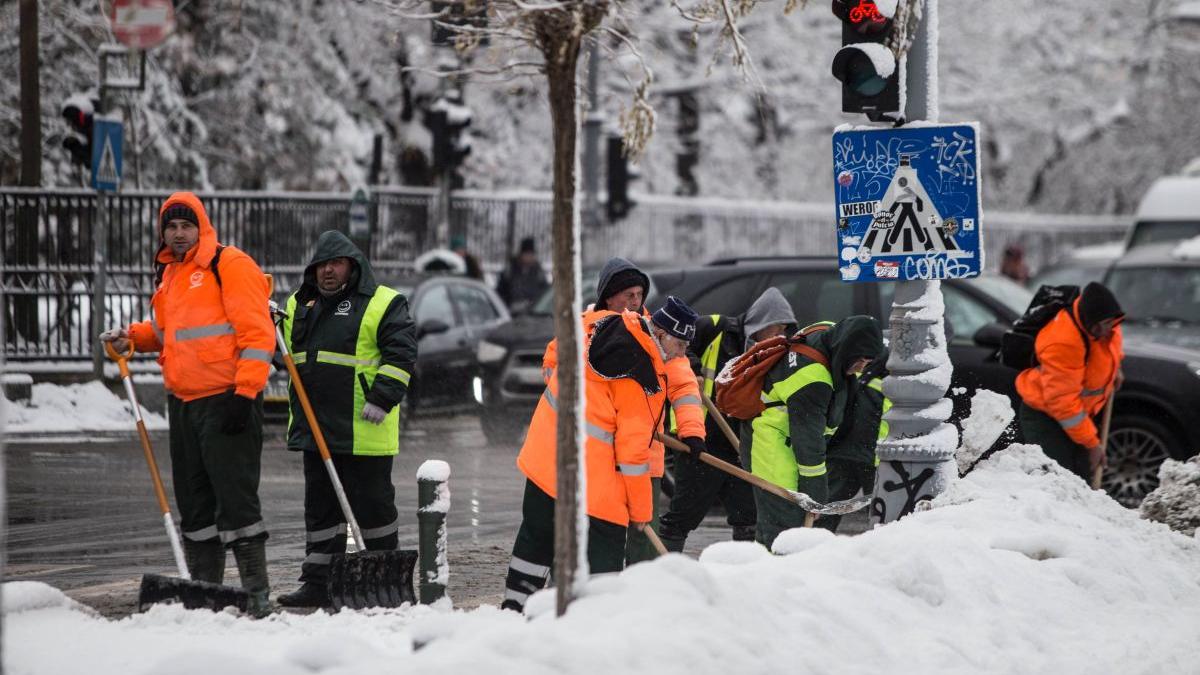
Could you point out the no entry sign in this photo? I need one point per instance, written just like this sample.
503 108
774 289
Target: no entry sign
142 24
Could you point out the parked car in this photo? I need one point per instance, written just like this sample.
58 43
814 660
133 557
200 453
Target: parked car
978 311
452 313
1082 265
1169 211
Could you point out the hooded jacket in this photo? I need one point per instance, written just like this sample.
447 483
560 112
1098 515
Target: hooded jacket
211 338
356 346
625 389
611 269
1072 381
769 309
805 402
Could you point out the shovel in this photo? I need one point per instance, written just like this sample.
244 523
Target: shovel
156 588
363 578
1098 472
812 506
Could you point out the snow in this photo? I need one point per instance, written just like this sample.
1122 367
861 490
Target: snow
1171 198
1176 501
881 57
990 415
1019 567
75 408
434 470
1099 251
1188 250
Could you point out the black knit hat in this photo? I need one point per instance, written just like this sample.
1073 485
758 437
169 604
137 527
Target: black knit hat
676 318
627 278
1096 304
178 212
527 245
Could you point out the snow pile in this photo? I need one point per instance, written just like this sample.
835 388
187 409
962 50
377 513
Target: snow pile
1018 568
74 408
990 415
1176 501
1188 249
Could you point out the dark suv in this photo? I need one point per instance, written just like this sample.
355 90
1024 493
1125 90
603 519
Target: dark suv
978 311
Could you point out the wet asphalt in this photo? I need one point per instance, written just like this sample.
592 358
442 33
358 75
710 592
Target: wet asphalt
82 514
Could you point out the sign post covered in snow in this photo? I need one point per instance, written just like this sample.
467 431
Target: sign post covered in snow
907 203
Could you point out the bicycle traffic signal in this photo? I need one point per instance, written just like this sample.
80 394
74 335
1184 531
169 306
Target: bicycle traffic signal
865 66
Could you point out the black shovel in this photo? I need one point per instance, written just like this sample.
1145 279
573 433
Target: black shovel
364 578
157 588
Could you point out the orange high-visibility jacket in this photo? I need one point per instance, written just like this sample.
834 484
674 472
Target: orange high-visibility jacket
1063 385
211 339
620 421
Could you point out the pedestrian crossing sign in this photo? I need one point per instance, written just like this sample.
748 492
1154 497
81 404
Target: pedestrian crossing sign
107 135
907 202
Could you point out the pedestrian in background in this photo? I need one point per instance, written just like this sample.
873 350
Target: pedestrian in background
1013 264
458 244
213 331
524 280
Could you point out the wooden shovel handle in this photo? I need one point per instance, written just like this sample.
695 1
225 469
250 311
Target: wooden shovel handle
1098 472
720 419
731 469
653 537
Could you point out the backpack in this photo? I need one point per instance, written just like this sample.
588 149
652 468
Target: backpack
739 386
1017 345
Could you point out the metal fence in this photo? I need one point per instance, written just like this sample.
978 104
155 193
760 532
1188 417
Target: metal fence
50 258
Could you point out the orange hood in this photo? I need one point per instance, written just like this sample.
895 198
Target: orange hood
204 250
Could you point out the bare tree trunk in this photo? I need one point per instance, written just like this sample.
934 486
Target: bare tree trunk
560 69
559 33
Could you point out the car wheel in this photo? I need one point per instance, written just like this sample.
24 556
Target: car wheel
499 427
1137 446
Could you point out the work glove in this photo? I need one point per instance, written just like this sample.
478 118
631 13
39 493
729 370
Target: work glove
1096 457
237 415
373 413
119 337
695 447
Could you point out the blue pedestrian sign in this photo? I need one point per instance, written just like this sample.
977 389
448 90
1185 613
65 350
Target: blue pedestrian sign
907 203
107 135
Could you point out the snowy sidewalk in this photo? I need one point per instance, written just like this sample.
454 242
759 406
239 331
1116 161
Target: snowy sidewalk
1019 568
88 411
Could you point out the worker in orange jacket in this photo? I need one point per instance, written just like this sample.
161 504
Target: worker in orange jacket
625 384
1079 367
622 287
213 332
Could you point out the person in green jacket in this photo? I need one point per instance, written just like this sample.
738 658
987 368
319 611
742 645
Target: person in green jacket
355 348
805 403
850 452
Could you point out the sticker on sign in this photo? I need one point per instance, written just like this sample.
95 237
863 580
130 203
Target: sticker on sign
142 24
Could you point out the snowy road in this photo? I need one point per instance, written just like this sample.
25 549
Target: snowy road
82 515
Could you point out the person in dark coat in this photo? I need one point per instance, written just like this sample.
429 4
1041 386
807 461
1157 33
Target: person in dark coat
524 281
458 244
355 347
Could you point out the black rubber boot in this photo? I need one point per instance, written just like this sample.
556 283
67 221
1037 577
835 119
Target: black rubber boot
673 543
308 595
205 560
251 557
743 533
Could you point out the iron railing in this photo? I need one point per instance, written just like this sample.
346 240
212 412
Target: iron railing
50 260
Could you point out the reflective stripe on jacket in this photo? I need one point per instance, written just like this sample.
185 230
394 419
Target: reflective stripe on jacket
1064 385
211 337
620 418
788 438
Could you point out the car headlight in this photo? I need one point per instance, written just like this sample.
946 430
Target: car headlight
489 352
1194 366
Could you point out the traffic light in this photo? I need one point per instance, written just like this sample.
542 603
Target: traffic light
619 204
78 110
448 122
865 66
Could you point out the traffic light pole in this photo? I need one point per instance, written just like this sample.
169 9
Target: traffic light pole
100 260
916 460
592 125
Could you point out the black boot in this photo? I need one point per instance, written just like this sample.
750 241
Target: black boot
309 594
743 533
673 543
251 557
205 560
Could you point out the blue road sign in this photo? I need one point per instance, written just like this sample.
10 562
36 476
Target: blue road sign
907 203
107 135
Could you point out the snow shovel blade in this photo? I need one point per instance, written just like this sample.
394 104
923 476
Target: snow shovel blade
372 579
190 593
832 508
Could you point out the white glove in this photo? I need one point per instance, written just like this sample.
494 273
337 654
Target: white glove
114 334
373 413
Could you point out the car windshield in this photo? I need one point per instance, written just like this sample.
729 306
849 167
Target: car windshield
1158 294
1006 291
1150 232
